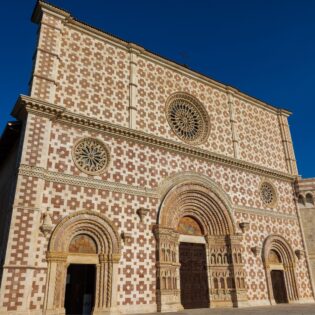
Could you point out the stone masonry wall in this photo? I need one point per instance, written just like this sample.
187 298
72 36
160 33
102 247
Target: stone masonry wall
25 220
102 79
90 75
146 167
7 186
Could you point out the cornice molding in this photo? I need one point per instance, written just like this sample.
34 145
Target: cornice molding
67 179
56 112
55 177
42 6
264 212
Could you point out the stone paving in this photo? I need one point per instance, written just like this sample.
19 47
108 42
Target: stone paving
284 309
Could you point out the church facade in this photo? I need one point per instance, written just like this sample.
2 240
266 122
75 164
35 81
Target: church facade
130 183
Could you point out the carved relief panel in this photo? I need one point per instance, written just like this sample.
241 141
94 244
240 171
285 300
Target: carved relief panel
168 290
226 274
221 278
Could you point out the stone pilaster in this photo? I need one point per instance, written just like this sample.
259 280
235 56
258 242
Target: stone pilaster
230 94
287 142
134 51
47 56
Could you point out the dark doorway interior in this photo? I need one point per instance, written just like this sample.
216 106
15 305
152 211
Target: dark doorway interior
80 289
278 286
193 276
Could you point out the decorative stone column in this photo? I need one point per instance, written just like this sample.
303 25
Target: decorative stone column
269 284
106 285
290 281
168 276
236 250
56 284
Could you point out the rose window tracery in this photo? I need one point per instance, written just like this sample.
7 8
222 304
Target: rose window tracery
267 194
90 156
188 118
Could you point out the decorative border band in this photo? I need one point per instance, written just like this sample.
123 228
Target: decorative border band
68 179
264 212
55 112
39 172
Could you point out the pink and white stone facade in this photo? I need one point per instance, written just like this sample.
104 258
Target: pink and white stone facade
87 83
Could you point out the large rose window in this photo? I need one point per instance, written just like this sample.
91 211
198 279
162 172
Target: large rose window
187 118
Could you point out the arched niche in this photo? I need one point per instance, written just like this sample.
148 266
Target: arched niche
278 255
309 200
198 207
84 237
301 201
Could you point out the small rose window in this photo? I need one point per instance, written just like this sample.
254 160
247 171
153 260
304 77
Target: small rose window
90 156
267 194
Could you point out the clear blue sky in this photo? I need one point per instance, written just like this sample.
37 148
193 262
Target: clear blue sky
265 48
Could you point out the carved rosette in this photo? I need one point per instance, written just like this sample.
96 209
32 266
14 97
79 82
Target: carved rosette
91 156
187 118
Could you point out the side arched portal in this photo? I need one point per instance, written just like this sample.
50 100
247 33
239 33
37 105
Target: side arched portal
84 237
196 204
279 263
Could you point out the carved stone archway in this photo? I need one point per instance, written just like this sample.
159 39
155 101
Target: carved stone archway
206 204
279 247
105 255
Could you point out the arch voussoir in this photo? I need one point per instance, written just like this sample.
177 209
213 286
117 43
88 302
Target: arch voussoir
279 244
207 206
103 233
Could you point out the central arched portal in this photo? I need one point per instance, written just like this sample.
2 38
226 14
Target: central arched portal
199 252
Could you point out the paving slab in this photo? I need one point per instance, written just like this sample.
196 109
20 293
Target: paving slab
285 309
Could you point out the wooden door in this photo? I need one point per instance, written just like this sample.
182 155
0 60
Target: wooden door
193 276
80 289
278 286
